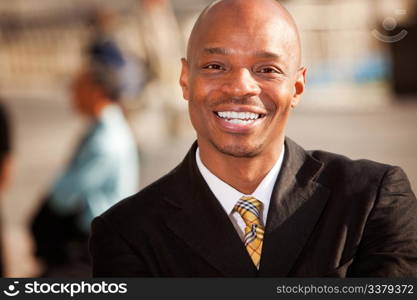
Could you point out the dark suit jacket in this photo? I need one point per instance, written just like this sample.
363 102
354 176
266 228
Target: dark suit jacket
329 216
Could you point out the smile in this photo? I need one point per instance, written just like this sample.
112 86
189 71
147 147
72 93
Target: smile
239 118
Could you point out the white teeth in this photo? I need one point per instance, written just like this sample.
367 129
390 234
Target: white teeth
241 122
233 115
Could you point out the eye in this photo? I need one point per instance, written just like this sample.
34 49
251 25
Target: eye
213 67
268 70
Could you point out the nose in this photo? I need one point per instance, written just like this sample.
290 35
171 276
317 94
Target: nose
240 83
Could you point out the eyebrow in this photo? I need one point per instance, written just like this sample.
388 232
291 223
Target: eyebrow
217 50
224 51
267 54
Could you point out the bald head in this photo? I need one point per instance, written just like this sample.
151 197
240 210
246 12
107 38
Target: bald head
251 17
243 59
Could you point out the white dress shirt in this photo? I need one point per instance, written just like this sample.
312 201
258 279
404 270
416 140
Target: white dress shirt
228 196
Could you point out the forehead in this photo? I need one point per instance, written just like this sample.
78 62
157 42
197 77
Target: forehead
242 33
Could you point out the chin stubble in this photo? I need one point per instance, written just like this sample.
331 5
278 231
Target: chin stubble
239 151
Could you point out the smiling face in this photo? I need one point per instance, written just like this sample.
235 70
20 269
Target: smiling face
242 77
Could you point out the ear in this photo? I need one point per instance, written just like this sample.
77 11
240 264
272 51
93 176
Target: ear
184 82
299 86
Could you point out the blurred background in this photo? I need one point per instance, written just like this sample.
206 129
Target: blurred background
361 98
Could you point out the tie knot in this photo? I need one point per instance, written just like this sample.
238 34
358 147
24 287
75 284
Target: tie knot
249 208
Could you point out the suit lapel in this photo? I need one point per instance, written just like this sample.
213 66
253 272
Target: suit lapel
296 204
202 223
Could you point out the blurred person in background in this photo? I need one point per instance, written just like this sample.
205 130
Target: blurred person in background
5 164
103 170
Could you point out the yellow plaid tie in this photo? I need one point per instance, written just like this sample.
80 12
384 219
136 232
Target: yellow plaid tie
249 208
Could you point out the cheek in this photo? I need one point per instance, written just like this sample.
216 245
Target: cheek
199 110
277 98
198 118
203 89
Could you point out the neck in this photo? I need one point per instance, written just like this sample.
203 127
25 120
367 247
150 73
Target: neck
242 173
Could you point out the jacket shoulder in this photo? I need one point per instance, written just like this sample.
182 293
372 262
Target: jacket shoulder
334 159
340 168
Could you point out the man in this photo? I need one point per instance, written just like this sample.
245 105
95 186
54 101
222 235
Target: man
103 170
246 201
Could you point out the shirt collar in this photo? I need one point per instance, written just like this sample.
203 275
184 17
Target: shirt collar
228 196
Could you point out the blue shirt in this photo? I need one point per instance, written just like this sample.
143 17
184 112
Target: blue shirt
104 170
